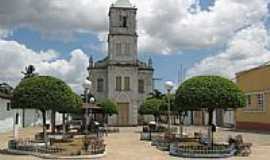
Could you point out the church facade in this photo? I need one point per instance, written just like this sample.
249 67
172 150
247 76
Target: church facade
121 76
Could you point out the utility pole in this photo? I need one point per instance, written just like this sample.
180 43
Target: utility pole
181 74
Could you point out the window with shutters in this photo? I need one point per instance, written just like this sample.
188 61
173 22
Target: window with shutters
127 84
127 48
118 83
141 86
255 102
100 85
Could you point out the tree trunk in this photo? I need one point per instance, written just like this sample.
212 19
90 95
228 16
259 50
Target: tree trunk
155 117
180 124
53 121
104 118
83 122
158 119
107 119
210 130
210 118
23 117
64 123
44 127
192 118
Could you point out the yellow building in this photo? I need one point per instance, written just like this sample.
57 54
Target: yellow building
256 85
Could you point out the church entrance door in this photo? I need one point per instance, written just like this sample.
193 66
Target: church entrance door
123 114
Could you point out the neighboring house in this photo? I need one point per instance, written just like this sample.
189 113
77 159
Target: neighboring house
121 76
256 85
7 115
221 118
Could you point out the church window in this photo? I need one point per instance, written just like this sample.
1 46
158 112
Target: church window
118 49
141 86
127 48
100 85
123 21
127 84
118 83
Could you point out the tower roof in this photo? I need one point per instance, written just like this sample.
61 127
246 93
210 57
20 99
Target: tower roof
122 3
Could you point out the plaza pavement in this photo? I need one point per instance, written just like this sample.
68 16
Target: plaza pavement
127 146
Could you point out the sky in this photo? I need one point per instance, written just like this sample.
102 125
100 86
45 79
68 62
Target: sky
205 37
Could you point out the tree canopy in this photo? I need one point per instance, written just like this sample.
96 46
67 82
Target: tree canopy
45 93
109 106
209 92
151 107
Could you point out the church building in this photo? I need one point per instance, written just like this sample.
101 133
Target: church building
121 76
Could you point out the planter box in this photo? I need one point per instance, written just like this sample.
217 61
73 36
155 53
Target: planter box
163 146
222 153
173 149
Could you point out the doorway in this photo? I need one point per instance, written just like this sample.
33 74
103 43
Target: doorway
123 114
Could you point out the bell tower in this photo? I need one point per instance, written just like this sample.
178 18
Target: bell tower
122 39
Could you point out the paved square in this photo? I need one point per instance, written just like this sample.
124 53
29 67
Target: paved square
127 146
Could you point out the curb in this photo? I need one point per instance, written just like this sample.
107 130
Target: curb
49 156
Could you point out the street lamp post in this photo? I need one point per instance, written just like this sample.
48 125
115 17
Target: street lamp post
91 102
169 86
87 86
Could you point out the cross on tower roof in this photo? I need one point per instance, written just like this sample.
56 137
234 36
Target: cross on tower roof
122 3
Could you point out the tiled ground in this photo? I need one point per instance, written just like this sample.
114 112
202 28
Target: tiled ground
127 146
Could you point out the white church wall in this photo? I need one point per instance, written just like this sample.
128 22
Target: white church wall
96 74
122 61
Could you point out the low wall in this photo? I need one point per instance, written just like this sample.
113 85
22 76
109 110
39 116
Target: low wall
253 126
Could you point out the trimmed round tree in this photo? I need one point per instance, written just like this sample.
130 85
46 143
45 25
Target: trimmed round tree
109 107
45 93
210 93
151 107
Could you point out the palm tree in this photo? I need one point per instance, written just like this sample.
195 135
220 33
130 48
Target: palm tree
156 94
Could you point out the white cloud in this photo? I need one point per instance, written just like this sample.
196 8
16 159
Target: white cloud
55 17
247 49
170 26
164 26
14 57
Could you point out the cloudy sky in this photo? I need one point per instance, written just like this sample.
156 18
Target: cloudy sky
204 36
